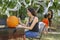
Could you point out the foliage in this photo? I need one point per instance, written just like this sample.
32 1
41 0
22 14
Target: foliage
22 10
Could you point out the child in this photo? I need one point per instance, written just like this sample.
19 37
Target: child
45 20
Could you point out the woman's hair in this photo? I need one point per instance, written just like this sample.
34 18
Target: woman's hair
51 13
32 11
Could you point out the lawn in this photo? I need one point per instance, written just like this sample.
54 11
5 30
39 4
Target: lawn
51 37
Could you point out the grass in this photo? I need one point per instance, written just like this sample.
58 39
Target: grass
51 37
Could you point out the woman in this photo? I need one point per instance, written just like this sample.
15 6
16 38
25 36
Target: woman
32 24
50 13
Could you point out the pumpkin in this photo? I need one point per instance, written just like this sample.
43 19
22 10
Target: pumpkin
12 21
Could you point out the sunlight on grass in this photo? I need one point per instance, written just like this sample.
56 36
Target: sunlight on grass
51 37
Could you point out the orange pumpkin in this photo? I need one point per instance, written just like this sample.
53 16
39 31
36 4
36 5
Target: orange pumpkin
12 21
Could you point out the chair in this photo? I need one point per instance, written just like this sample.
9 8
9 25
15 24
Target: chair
41 28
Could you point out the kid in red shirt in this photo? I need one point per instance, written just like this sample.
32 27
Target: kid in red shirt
46 21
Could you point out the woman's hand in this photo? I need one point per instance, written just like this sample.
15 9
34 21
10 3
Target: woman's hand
20 26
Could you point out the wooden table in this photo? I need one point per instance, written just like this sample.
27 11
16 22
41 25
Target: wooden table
11 33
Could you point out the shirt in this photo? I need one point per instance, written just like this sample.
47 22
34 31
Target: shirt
35 28
46 21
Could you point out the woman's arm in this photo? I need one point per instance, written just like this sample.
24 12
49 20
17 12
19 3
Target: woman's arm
33 24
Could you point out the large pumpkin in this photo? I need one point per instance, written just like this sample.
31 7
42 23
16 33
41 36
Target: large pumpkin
12 21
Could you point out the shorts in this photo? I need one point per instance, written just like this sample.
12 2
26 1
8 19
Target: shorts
46 29
31 34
